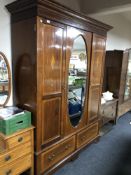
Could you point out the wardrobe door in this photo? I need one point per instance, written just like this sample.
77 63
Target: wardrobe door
50 71
96 76
76 83
123 76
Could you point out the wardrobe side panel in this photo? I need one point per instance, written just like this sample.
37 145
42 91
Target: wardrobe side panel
96 76
50 70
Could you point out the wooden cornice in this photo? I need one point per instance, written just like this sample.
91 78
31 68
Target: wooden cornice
49 9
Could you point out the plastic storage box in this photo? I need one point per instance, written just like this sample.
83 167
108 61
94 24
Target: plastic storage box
15 123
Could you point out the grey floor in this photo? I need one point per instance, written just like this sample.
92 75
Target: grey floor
110 156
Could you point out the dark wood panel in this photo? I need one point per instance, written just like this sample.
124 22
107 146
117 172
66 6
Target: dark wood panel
112 72
52 46
94 100
123 76
51 120
97 61
24 62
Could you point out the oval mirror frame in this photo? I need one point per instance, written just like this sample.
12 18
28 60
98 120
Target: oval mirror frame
2 55
78 80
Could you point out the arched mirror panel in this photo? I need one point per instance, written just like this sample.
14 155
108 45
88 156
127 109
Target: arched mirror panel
77 78
5 80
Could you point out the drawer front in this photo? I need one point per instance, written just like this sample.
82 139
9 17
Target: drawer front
19 139
109 111
56 154
2 145
14 154
87 135
17 167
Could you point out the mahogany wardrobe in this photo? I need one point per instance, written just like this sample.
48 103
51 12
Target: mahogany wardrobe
57 63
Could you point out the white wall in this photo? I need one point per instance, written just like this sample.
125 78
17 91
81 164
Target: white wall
73 4
96 6
120 36
5 36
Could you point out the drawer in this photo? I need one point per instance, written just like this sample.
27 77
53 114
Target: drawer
109 111
57 153
2 145
17 167
109 114
87 135
19 139
14 154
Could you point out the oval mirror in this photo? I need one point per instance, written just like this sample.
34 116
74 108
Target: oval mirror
77 78
4 80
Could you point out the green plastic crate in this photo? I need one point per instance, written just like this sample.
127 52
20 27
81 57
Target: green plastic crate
79 82
16 123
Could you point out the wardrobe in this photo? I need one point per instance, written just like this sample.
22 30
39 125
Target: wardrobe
57 63
117 78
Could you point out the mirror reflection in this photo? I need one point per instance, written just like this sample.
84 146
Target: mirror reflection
128 80
77 77
4 80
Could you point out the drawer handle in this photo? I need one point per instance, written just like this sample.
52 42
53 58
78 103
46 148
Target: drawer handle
67 147
52 156
7 158
103 112
83 138
20 139
8 172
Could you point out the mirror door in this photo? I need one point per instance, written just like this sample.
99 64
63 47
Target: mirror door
75 104
77 80
5 82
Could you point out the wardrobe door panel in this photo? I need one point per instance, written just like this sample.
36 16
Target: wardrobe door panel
76 78
49 85
94 98
51 110
96 76
98 53
52 62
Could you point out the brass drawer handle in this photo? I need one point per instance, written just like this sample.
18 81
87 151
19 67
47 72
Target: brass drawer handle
53 155
7 158
83 138
20 139
50 158
66 147
8 172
